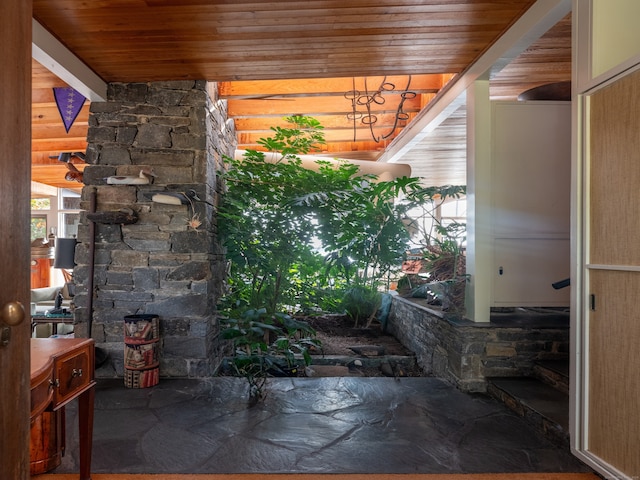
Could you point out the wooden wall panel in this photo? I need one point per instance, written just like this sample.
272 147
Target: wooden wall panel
614 280
614 378
615 173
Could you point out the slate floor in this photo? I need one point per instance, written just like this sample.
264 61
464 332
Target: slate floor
328 425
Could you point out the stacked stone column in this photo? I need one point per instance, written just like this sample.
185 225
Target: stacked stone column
164 264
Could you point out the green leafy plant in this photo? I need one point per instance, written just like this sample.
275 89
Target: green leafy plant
364 232
278 218
265 234
310 238
267 345
361 304
441 244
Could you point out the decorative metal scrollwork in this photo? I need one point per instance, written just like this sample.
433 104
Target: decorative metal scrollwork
367 99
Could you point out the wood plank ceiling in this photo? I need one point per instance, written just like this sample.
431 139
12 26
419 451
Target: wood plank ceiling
338 61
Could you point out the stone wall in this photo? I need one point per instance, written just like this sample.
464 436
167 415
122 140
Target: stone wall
159 264
466 353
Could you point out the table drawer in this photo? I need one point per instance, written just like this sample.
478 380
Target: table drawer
41 393
74 373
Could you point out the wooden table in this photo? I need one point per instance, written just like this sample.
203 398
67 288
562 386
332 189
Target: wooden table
63 369
54 320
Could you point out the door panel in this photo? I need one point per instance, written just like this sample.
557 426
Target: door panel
614 376
613 322
614 169
15 174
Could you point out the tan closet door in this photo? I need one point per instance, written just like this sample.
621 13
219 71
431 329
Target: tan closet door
614 280
614 377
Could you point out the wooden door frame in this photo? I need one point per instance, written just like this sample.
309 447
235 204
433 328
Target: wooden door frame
581 269
15 180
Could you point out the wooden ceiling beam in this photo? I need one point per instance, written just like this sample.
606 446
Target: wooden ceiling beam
315 106
280 45
293 16
44 115
263 124
54 175
331 148
318 86
67 145
331 135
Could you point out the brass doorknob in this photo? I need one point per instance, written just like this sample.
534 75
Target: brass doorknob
12 314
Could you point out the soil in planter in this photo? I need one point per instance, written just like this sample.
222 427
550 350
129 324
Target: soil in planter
338 335
339 339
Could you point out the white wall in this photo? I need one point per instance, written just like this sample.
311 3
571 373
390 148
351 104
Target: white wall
530 203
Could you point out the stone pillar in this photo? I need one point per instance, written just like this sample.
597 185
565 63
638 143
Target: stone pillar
160 264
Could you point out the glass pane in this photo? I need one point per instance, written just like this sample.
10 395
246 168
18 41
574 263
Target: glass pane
38 227
455 209
70 225
41 203
70 203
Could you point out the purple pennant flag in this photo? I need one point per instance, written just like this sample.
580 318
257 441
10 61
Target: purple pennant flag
69 104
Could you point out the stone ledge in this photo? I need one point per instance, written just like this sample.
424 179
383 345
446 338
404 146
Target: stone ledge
466 353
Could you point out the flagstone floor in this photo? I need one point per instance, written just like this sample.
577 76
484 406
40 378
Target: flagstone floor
326 425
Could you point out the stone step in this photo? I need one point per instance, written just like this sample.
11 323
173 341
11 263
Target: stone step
554 373
389 365
351 366
542 405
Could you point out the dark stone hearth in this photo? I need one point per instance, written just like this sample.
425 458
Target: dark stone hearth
112 155
145 279
183 305
155 157
98 175
101 134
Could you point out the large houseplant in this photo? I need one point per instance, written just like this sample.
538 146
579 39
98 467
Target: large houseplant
295 236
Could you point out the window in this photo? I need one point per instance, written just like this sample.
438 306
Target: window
38 226
68 213
39 209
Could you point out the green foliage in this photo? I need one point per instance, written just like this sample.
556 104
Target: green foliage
364 232
267 345
265 235
441 244
277 217
361 304
307 239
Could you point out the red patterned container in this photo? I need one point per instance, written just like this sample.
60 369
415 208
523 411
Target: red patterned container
141 351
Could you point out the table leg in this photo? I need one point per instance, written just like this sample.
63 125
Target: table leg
85 420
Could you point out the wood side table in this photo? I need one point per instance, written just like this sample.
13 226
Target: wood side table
54 320
63 369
